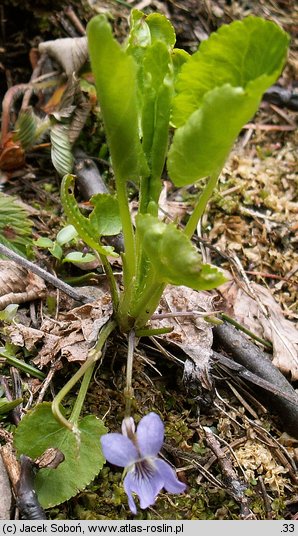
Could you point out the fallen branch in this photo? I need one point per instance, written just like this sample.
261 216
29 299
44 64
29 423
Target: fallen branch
256 361
53 280
232 483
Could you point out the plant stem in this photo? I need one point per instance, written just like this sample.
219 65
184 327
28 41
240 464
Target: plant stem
112 281
21 365
230 320
128 391
200 206
94 355
149 301
81 395
128 234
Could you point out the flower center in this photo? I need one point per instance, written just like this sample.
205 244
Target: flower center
144 468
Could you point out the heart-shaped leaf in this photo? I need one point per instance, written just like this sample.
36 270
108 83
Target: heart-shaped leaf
87 229
83 457
105 217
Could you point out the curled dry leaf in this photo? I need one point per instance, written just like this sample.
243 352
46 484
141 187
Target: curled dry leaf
70 52
264 317
191 333
24 336
18 285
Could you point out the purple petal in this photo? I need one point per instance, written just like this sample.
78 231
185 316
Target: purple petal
127 489
150 433
169 477
128 427
146 486
118 449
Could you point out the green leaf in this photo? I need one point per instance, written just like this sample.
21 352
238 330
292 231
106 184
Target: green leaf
66 234
173 257
7 405
157 93
150 42
179 58
56 251
219 90
146 30
161 29
77 257
43 242
241 53
116 85
10 311
201 146
85 228
139 35
39 431
105 217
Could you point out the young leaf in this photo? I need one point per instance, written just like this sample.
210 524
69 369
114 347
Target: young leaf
56 251
105 217
77 258
150 42
147 30
161 29
82 460
9 313
43 242
219 90
66 234
139 35
88 229
173 257
179 58
156 94
116 85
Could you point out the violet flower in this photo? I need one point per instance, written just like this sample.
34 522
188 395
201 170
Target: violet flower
146 474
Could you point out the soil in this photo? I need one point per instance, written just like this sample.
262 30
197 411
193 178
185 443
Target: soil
251 222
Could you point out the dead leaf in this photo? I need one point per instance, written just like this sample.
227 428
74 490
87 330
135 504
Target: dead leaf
18 285
264 317
74 332
191 333
70 52
21 335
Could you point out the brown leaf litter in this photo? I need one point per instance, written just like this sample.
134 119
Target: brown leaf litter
257 310
191 332
71 335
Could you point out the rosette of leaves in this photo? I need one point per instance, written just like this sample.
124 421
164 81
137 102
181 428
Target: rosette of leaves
145 87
